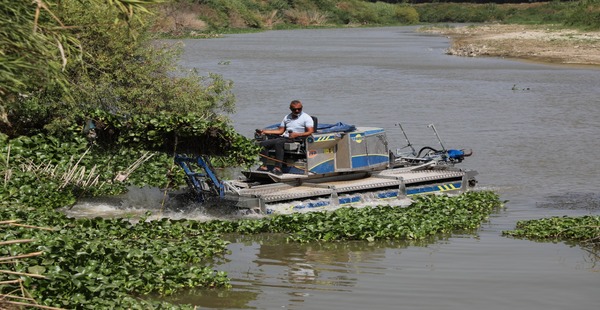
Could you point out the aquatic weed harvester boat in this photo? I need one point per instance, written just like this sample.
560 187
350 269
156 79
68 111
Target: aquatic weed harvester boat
339 165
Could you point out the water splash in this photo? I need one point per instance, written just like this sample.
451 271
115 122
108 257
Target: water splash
324 204
136 203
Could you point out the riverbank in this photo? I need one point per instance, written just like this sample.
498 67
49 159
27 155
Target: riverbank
539 43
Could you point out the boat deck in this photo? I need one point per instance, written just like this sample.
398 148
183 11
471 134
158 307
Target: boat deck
392 178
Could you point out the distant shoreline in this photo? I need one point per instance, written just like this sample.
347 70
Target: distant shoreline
546 44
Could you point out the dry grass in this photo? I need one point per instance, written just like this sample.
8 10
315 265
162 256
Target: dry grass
306 17
73 174
180 18
271 19
237 21
18 298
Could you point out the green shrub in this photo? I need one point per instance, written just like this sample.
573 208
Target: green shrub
360 12
586 14
455 13
406 15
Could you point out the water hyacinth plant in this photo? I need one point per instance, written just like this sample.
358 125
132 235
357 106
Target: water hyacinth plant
585 229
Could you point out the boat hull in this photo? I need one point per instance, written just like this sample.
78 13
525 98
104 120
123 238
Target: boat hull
325 193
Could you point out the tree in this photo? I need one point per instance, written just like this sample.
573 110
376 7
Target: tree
99 62
36 45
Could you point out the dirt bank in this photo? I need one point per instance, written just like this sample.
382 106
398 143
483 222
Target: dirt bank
536 43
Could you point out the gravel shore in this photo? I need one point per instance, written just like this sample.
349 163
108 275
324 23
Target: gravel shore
531 42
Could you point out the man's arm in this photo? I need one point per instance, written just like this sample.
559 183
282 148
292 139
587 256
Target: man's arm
309 131
277 131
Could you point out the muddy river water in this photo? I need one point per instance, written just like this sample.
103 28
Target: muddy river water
534 131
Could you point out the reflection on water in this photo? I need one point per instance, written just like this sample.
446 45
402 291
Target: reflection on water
266 263
267 273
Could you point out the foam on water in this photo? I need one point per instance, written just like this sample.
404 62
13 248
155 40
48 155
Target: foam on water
136 203
323 204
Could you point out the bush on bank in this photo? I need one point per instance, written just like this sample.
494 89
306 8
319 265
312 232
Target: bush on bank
117 77
193 18
190 17
583 14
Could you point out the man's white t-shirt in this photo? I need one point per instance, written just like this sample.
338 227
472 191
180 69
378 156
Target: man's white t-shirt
298 124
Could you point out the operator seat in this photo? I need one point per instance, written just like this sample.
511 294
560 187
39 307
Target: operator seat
299 144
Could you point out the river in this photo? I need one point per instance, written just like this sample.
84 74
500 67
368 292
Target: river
534 132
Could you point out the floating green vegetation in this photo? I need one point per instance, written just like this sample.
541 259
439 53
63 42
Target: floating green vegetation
425 217
102 263
584 229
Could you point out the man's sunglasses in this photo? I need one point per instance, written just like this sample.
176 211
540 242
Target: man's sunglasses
296 109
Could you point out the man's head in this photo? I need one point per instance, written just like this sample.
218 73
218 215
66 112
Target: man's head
296 107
